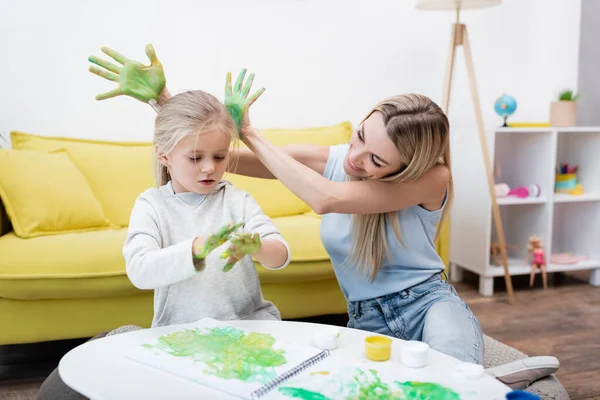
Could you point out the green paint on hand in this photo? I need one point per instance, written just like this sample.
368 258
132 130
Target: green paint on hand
241 245
142 82
304 394
217 239
237 101
228 352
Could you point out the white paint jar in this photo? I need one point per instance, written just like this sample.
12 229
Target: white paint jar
414 354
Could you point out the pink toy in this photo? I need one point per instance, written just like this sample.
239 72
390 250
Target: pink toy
503 190
535 248
566 258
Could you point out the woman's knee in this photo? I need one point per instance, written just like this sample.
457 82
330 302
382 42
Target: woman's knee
451 328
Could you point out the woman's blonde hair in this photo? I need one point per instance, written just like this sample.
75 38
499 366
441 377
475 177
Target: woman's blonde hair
184 114
420 130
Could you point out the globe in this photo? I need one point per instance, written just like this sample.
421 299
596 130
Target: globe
505 106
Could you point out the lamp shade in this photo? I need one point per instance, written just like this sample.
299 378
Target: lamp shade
455 4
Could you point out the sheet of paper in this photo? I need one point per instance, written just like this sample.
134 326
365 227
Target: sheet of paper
221 356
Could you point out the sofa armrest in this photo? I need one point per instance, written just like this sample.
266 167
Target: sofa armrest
5 225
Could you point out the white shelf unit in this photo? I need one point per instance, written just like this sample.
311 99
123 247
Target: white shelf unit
520 157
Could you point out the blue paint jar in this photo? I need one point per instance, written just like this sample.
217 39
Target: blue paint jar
521 395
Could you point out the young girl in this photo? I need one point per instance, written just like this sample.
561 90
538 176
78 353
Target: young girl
170 238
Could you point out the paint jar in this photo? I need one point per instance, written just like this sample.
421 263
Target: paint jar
378 348
414 354
327 339
521 395
469 371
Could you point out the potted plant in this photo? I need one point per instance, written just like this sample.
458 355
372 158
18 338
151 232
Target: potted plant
564 111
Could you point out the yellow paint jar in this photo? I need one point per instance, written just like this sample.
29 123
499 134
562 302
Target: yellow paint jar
378 348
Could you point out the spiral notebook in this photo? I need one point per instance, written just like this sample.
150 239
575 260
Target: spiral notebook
237 361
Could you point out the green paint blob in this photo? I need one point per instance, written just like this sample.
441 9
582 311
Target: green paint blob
368 385
228 352
304 394
426 391
236 108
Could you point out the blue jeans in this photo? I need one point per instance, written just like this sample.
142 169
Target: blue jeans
430 312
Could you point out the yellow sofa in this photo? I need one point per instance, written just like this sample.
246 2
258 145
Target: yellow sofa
62 273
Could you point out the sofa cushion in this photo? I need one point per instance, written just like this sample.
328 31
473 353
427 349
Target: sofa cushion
275 199
310 261
45 194
91 264
71 265
117 172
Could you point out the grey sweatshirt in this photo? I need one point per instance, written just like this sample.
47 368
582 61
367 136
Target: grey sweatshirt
158 255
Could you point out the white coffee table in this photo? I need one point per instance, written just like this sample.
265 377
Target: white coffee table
99 370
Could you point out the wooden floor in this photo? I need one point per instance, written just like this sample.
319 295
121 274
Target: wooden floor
563 321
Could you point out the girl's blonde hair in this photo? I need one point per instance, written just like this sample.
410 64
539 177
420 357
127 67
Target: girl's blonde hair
420 130
186 114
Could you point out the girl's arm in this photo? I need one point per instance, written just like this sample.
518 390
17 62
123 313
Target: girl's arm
354 197
274 251
148 264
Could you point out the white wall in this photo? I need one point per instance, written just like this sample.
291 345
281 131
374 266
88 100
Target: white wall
322 61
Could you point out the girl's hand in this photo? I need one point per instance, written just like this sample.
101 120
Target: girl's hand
238 103
215 240
241 245
142 82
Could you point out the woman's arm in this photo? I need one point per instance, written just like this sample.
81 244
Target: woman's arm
354 197
311 155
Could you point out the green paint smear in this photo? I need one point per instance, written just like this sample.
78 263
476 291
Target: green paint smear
304 394
228 352
426 391
368 385
236 108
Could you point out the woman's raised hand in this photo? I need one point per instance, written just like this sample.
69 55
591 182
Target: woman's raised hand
237 101
142 82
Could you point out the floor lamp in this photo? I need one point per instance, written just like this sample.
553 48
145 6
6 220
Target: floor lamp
460 37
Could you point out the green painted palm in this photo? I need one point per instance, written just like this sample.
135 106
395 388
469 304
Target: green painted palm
217 239
237 101
142 82
241 245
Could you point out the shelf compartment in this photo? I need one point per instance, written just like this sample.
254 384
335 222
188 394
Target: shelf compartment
519 223
582 149
523 159
575 227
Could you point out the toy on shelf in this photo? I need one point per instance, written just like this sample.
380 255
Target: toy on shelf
503 190
495 252
536 249
566 180
566 258
505 106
